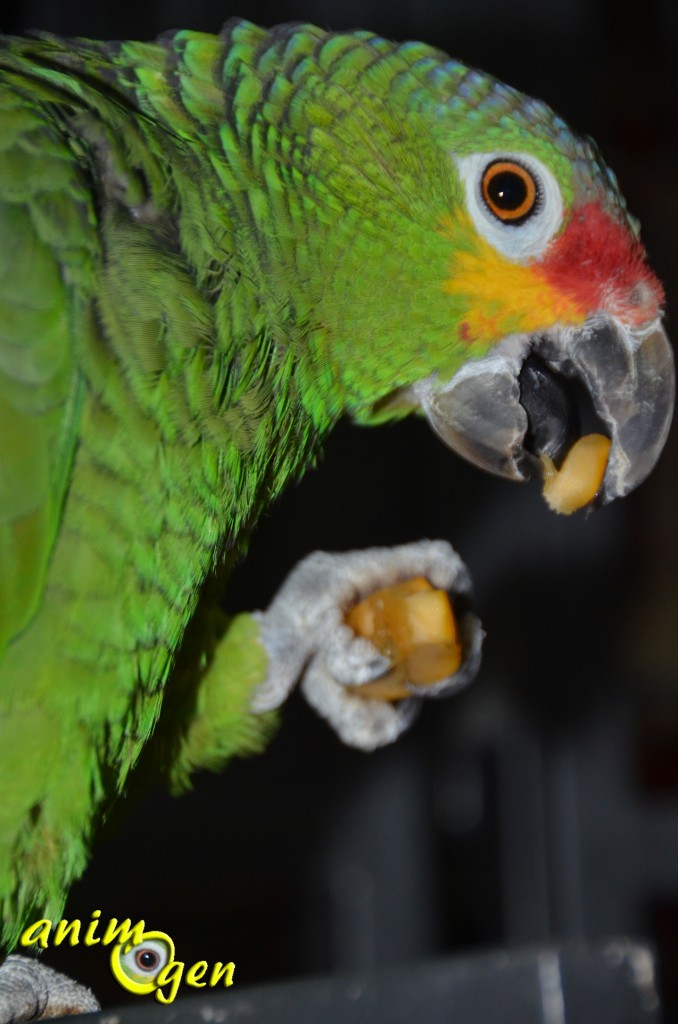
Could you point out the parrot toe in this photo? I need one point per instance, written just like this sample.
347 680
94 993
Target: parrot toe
30 990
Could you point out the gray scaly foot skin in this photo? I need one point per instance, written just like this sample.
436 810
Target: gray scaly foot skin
30 990
307 639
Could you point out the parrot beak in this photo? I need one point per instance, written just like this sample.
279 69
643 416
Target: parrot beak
533 395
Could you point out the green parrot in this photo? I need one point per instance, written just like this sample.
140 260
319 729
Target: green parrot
211 249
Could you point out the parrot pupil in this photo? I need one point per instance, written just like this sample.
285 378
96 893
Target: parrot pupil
507 191
510 191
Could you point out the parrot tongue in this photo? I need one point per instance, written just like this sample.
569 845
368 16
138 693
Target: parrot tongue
528 399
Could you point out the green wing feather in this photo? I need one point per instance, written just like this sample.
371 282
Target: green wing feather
45 224
48 260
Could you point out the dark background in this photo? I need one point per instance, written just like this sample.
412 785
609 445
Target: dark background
542 803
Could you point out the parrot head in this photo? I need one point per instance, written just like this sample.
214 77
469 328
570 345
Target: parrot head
489 266
551 272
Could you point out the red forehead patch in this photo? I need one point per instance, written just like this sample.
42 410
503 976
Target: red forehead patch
598 262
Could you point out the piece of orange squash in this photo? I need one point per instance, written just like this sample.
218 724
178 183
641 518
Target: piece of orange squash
412 624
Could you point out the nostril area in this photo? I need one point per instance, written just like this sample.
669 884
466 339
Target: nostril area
642 295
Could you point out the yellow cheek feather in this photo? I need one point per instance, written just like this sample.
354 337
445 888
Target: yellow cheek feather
497 296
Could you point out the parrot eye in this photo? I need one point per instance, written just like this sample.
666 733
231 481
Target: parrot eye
514 201
510 191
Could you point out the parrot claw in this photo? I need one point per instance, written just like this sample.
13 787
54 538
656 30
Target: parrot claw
359 722
30 990
354 660
305 635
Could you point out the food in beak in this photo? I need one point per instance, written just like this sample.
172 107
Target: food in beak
579 478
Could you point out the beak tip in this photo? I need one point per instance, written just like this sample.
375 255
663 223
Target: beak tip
639 411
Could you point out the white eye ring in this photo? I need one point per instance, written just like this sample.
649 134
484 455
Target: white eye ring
528 238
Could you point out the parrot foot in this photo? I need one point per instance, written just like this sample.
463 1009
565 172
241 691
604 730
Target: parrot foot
305 635
30 990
